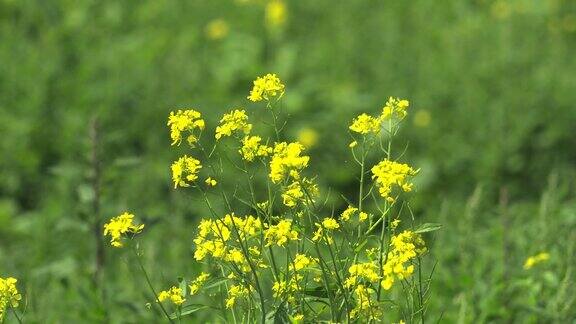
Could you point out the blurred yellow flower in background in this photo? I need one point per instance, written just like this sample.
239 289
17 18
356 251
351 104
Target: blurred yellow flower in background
276 13
217 29
534 260
422 118
307 137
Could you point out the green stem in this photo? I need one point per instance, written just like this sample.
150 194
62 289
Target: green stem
15 315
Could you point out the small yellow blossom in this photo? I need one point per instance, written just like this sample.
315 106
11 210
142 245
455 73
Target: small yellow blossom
266 87
251 148
330 223
185 171
362 216
389 174
211 182
394 224
395 108
365 124
235 292
347 213
366 307
280 233
367 271
298 192
287 161
9 295
422 118
119 226
404 247
174 294
217 29
185 121
353 144
534 260
234 121
301 261
198 282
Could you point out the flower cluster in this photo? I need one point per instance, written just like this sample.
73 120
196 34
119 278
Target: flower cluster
252 148
389 174
234 121
185 121
9 295
175 295
404 247
287 161
266 87
534 260
120 226
198 282
395 108
185 171
299 192
365 124
280 233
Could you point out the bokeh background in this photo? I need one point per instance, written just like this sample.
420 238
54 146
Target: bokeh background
86 87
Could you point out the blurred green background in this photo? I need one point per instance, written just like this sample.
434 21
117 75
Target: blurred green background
492 86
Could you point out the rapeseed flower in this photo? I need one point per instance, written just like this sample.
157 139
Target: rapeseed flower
185 171
362 271
534 260
119 226
234 121
234 292
280 233
389 174
404 247
251 148
211 182
198 283
287 161
9 295
174 295
365 124
217 29
275 13
185 121
266 87
395 108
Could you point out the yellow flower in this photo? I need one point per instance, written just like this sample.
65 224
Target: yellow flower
353 144
236 120
9 295
185 121
280 233
395 108
534 260
330 223
365 124
217 29
266 87
234 292
404 247
308 137
362 216
389 174
422 118
174 294
345 216
198 283
298 192
394 224
287 161
367 271
251 148
119 226
185 171
301 261
211 182
366 305
275 13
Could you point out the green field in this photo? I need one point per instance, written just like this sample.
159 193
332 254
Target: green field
86 88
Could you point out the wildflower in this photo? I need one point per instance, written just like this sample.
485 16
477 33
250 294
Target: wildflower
251 148
9 295
298 192
286 289
287 161
353 144
185 171
234 292
362 216
275 13
185 121
174 294
389 174
298 318
404 247
330 223
365 124
211 182
266 87
358 271
119 226
422 118
534 260
236 120
395 107
365 307
308 137
345 216
217 29
301 261
198 283
280 233
394 224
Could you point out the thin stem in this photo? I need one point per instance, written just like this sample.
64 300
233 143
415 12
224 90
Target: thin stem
16 315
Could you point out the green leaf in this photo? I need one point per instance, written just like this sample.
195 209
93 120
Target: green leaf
428 227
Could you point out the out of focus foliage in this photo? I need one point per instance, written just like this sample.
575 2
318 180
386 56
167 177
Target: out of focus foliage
492 91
